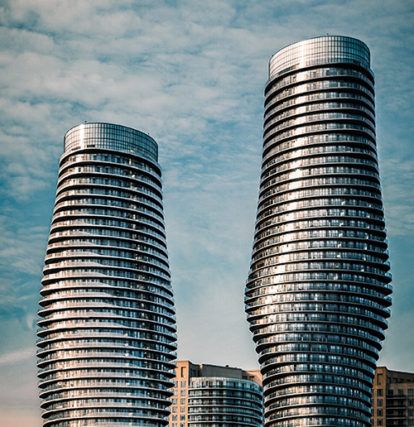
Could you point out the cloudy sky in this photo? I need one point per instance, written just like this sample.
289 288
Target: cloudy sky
190 73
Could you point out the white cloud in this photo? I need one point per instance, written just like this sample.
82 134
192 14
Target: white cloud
398 178
17 356
180 73
192 75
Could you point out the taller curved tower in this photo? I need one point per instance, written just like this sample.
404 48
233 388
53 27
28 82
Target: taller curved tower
317 295
107 323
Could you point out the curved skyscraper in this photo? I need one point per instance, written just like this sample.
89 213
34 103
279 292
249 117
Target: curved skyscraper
317 296
107 323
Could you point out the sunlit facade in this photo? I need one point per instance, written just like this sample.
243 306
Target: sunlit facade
107 322
317 296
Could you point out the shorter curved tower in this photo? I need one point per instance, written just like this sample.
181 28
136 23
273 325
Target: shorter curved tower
317 296
107 322
225 402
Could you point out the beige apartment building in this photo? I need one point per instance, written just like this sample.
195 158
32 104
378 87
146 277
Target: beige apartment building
205 394
393 398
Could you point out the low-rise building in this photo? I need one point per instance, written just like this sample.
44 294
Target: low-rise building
221 395
393 398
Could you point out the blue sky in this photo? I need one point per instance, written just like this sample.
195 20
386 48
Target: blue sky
191 74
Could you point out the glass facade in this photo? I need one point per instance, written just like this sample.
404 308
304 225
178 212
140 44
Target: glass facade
107 334
318 292
224 402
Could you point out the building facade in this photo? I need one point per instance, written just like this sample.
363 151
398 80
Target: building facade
393 398
107 340
210 395
317 296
